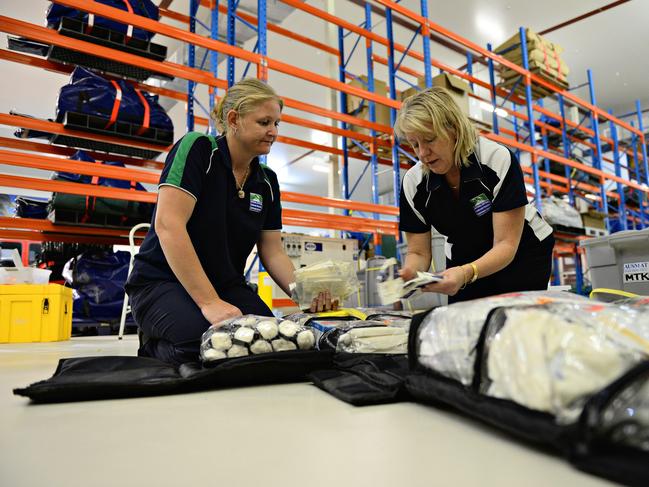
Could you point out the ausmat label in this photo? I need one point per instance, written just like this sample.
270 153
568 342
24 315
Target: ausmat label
636 272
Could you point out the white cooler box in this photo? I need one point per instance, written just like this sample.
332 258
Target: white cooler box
620 261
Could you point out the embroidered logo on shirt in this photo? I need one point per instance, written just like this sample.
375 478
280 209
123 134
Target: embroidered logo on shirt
481 204
256 202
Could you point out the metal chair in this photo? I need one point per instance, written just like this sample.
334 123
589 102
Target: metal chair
125 307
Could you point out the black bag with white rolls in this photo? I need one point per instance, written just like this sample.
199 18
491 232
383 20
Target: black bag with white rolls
560 371
254 335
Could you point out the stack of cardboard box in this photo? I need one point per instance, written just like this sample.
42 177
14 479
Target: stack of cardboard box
544 60
594 223
360 107
458 88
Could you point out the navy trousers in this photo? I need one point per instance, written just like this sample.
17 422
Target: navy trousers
171 324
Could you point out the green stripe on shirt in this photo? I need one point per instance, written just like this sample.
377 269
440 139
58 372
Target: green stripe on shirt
180 158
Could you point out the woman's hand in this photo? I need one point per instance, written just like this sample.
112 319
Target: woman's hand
218 311
454 279
407 274
323 302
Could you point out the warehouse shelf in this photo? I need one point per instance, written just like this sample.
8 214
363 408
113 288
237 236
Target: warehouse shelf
555 169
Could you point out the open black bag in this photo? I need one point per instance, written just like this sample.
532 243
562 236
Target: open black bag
92 378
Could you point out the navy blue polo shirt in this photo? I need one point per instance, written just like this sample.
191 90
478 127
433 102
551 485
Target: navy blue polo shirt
223 228
492 182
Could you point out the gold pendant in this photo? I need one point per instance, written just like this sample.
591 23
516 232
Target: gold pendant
242 194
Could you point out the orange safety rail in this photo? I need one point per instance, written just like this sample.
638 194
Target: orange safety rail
45 230
49 163
29 146
58 128
307 199
303 218
76 188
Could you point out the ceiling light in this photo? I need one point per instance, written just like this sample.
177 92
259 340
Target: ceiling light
490 28
320 138
320 168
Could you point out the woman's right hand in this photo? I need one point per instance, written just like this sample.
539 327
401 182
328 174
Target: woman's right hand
407 274
218 311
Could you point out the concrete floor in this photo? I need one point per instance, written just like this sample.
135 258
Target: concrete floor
284 435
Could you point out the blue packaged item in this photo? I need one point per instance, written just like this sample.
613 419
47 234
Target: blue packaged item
115 100
144 8
98 278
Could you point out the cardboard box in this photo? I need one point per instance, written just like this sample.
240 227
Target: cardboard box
359 107
458 88
421 85
594 219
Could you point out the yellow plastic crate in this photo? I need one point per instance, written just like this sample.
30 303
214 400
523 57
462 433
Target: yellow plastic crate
35 313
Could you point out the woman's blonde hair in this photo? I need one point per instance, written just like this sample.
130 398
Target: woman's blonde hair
243 97
434 112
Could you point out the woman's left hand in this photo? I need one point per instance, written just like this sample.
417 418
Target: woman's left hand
454 279
323 302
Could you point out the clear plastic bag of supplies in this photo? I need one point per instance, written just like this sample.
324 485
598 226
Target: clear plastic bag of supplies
253 335
553 357
447 339
362 336
339 278
392 288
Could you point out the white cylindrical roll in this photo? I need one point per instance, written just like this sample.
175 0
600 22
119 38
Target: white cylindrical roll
305 340
237 351
267 329
281 345
221 341
261 346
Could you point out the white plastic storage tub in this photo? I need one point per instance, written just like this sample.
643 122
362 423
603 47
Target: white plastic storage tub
619 261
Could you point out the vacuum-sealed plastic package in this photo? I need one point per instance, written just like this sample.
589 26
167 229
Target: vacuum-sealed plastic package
337 277
447 338
253 335
391 287
362 336
553 357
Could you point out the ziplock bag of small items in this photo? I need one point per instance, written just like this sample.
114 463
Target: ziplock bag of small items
252 334
339 278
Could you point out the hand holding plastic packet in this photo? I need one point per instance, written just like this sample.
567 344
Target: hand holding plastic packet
251 334
339 278
392 288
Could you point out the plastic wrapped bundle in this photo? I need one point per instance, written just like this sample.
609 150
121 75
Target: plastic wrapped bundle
339 278
552 358
559 212
447 338
391 288
362 336
254 335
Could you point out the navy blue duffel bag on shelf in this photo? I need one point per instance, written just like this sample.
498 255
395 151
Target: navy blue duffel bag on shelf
144 8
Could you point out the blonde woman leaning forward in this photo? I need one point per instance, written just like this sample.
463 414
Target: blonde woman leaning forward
470 190
215 203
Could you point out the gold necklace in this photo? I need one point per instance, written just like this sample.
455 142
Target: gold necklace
242 193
